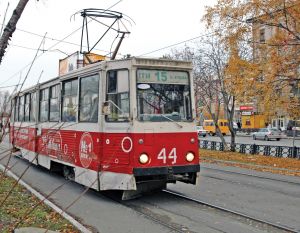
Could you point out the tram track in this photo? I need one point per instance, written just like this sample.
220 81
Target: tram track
142 211
174 227
252 175
141 208
232 212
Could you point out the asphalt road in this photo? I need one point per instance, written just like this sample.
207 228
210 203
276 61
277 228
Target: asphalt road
275 198
270 199
249 140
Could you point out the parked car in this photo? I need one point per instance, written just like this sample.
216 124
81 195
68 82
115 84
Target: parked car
201 132
268 134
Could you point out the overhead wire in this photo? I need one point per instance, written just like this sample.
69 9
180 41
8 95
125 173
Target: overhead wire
178 43
6 197
153 51
92 183
49 38
44 50
4 19
58 42
63 41
55 39
113 5
9 86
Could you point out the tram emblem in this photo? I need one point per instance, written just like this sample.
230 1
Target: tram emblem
86 153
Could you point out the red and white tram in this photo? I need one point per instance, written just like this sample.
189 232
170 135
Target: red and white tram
113 125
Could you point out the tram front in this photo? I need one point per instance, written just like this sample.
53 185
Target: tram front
166 145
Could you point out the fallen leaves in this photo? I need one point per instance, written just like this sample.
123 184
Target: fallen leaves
18 204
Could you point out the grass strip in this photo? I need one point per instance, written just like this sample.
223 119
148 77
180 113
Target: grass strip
19 202
284 166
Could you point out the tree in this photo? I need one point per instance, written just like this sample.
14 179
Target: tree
219 80
5 112
4 102
211 89
272 29
11 27
209 78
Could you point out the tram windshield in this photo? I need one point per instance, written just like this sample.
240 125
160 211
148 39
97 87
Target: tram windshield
163 95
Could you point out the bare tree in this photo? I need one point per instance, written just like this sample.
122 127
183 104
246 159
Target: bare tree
11 27
209 78
4 101
210 63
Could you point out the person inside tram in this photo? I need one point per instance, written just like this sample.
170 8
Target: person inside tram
70 113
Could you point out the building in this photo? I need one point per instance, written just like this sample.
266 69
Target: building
276 49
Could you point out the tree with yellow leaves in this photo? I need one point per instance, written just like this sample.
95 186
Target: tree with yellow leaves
271 28
209 61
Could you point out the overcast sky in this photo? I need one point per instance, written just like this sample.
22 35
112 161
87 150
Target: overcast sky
157 24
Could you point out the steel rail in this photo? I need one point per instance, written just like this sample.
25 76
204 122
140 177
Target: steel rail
252 175
141 212
281 227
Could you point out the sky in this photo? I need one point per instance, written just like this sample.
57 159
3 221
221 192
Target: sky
155 24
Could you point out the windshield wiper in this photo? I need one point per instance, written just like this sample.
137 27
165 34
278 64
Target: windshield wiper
179 125
114 104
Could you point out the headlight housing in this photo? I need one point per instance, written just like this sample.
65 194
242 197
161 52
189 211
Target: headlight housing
189 157
144 158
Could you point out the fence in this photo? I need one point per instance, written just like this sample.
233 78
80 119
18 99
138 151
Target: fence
268 150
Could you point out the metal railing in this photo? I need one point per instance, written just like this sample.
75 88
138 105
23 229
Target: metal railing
268 150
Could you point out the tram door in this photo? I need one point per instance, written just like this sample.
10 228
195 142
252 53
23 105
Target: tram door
117 143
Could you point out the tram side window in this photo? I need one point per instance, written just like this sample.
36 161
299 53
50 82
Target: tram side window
33 107
17 109
70 105
118 95
27 107
21 108
44 104
54 103
13 112
89 98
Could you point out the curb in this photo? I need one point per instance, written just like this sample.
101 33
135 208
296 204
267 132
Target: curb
73 221
32 230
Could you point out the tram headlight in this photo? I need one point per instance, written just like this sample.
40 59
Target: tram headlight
190 157
144 158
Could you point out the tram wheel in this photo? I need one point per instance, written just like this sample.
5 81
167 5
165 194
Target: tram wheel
68 173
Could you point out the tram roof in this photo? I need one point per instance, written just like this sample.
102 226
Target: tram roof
144 62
